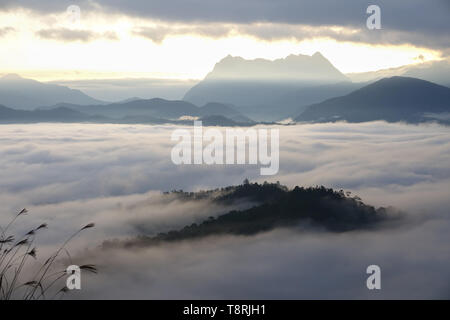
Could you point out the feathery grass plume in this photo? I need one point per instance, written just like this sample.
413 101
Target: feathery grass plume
32 253
89 267
42 226
15 265
64 289
9 239
21 242
90 225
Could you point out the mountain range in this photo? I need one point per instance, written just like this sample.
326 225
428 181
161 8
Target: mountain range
239 91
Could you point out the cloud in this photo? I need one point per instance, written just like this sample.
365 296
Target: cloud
158 34
357 34
89 161
269 31
69 35
404 21
6 30
71 174
294 264
401 15
110 35
45 6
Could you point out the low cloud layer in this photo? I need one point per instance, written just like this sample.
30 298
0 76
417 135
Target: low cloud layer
69 175
281 265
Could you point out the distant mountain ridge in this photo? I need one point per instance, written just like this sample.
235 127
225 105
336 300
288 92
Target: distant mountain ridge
220 109
391 99
158 108
20 93
135 111
60 114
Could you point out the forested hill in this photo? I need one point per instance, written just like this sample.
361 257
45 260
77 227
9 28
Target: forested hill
276 206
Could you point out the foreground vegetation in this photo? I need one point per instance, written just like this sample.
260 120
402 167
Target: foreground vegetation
22 275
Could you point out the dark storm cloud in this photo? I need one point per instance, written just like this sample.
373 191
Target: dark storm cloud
403 21
385 36
44 6
285 31
410 15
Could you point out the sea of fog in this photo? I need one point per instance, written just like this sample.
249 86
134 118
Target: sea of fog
68 175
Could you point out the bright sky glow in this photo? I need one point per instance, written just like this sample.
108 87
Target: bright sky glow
114 50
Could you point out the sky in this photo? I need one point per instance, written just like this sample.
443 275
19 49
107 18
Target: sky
183 39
